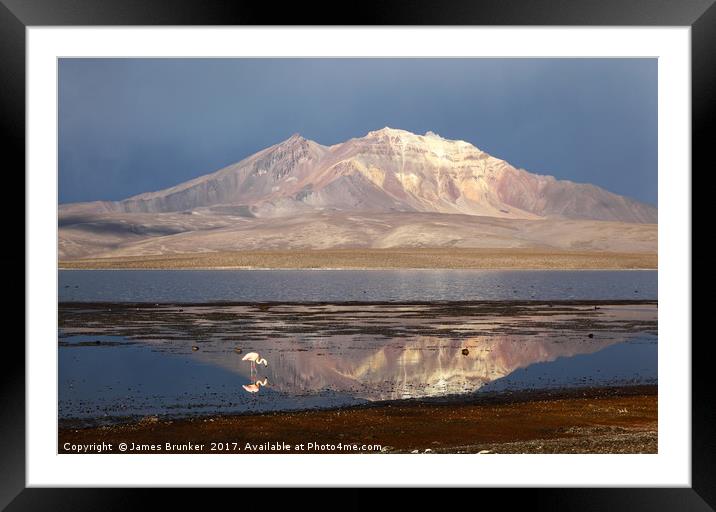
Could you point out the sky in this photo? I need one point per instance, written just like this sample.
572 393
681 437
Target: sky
128 126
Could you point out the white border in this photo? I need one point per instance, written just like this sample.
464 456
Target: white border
670 467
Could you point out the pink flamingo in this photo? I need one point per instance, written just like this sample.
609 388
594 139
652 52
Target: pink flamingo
255 359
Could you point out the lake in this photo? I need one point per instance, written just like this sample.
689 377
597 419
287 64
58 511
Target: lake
120 362
352 285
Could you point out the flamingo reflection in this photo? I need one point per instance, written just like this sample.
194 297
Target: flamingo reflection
254 388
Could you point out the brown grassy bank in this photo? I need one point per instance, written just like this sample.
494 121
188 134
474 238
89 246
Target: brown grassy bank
594 420
451 258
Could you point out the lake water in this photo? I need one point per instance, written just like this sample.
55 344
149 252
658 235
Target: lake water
352 285
121 362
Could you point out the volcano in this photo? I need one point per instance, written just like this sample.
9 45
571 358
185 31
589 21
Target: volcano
390 188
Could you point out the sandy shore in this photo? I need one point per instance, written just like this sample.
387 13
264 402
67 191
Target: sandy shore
587 420
454 258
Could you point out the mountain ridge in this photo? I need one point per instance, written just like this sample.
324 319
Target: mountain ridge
388 189
386 170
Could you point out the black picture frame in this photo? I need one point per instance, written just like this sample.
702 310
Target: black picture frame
17 15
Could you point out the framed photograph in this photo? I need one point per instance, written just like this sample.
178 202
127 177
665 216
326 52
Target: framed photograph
442 247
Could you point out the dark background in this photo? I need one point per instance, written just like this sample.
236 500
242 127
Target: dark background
15 15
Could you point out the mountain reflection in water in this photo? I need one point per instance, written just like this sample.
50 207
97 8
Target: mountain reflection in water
425 367
184 359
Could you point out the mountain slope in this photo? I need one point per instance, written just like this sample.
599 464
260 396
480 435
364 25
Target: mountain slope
141 234
388 170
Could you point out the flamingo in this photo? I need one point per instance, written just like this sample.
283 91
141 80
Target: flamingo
255 359
254 388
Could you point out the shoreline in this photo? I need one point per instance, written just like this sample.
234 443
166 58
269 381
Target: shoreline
377 259
362 269
620 419
504 304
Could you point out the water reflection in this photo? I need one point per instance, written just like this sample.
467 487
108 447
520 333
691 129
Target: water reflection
255 386
423 367
140 360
